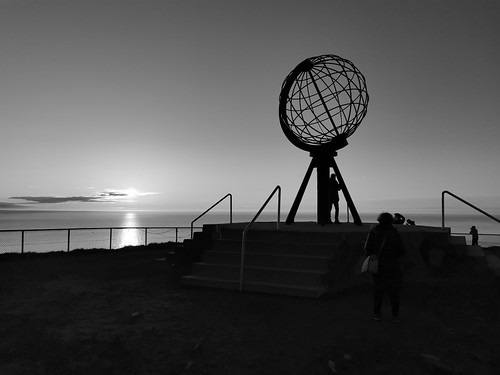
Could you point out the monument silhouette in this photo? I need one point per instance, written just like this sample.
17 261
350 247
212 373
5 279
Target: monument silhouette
321 103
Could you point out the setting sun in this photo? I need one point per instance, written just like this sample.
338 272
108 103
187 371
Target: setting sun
132 192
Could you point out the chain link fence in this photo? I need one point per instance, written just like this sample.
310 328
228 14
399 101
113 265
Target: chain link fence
67 239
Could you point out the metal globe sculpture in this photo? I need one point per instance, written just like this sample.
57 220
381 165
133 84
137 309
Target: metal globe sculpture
322 102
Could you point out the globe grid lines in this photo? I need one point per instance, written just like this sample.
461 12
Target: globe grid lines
326 98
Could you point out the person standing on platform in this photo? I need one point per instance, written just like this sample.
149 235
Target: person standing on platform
333 197
384 240
475 235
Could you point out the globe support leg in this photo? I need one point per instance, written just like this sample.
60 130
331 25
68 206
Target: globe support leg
295 206
322 166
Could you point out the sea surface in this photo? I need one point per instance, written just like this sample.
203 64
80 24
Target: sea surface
68 230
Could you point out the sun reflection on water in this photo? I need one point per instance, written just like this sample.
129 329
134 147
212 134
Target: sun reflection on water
129 237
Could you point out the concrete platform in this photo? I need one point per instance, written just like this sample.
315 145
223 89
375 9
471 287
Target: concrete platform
303 258
493 263
311 226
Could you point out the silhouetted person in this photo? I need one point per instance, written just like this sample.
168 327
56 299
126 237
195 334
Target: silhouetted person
475 235
333 197
384 240
399 219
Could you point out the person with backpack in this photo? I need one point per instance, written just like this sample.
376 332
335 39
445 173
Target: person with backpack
384 241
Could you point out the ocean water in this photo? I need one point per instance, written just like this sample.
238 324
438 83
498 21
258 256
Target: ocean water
164 226
46 231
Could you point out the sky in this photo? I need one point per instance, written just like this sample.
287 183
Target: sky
170 105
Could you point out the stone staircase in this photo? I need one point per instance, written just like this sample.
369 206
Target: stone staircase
276 262
308 260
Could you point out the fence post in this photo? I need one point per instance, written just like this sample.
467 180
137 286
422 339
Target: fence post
145 236
69 236
110 238
22 242
176 234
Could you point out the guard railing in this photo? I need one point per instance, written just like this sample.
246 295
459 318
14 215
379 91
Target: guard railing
465 202
243 236
468 204
67 239
230 196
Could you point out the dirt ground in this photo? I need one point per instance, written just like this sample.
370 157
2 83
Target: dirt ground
124 312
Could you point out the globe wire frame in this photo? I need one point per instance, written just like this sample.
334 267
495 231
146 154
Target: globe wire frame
322 102
320 117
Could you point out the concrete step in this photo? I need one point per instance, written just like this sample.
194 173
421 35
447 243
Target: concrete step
261 274
457 240
210 282
287 261
493 264
277 248
477 254
259 287
474 251
458 244
484 263
283 236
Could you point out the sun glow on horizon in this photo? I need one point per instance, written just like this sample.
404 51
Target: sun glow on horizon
132 192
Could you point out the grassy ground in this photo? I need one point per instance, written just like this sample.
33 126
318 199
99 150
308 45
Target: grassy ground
124 312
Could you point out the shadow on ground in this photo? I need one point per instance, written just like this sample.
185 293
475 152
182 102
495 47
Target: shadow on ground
124 312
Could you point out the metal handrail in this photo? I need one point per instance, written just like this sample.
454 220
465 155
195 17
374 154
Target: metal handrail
215 204
465 202
243 236
482 234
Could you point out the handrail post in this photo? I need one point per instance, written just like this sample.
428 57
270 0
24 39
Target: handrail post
110 238
146 236
69 238
230 208
243 236
242 261
22 242
442 209
279 208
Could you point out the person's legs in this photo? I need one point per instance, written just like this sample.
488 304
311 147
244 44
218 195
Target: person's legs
336 205
330 207
378 296
395 301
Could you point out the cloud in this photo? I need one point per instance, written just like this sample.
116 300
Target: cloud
59 199
107 196
125 193
113 194
7 205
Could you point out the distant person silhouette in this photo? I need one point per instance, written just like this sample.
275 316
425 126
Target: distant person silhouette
475 235
399 219
333 197
384 240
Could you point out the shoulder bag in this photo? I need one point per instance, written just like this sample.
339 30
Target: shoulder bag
370 265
